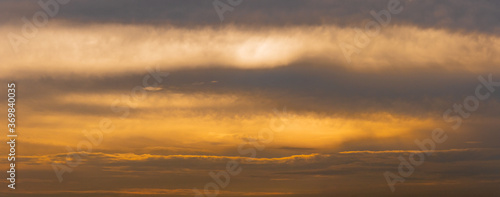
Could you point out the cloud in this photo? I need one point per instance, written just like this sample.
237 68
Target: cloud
114 49
349 122
459 15
153 88
171 174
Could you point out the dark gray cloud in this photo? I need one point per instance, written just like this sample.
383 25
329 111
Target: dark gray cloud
306 86
303 87
461 15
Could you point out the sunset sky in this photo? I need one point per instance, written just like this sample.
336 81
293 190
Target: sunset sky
183 93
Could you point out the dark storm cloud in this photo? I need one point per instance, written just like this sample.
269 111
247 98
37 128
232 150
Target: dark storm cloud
462 15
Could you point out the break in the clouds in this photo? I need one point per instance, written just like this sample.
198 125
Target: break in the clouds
323 174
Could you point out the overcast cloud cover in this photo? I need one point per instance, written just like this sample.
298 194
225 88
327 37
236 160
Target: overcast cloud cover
348 121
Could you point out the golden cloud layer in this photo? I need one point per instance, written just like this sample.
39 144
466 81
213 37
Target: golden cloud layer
111 48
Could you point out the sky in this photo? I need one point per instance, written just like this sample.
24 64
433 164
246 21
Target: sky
302 98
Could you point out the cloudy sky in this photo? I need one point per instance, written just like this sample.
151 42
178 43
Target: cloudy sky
309 98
